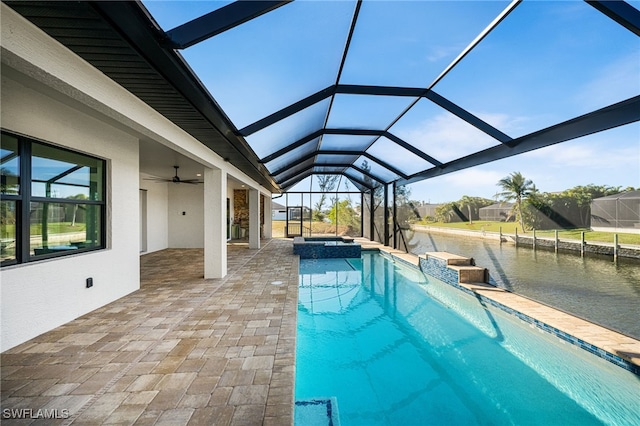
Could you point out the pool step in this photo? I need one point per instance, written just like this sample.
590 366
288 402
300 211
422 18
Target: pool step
451 259
464 266
470 274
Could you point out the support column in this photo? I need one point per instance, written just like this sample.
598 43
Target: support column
372 223
394 217
363 232
385 226
268 222
215 223
254 219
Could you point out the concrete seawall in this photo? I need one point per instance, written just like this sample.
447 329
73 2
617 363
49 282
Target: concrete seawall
607 249
452 231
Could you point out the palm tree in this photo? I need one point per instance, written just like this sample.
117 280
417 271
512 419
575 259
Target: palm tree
516 188
445 212
473 204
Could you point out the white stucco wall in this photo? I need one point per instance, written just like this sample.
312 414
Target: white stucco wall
167 227
157 214
185 230
231 207
50 94
39 296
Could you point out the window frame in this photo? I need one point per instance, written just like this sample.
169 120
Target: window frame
24 198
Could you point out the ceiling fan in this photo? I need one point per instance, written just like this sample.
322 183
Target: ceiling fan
176 179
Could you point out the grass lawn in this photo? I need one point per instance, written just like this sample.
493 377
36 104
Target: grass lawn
317 228
507 228
8 231
563 234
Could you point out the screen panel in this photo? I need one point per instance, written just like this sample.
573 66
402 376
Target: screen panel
564 59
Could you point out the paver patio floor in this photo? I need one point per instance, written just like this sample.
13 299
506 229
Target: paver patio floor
181 350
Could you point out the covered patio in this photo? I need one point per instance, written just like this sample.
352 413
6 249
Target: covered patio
197 330
171 353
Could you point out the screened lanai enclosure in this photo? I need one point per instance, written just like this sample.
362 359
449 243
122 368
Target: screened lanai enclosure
499 212
346 104
339 107
331 206
619 212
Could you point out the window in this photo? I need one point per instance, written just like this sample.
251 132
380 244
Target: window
53 201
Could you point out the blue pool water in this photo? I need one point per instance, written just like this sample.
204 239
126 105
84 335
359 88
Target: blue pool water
382 344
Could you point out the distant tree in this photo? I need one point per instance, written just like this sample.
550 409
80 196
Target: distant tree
378 189
570 208
516 188
472 205
405 209
75 207
326 183
538 211
343 213
377 195
7 217
582 196
9 185
446 212
9 181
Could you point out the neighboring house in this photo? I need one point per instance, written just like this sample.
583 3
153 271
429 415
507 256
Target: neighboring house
278 211
427 210
299 213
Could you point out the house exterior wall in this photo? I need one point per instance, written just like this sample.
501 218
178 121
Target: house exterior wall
164 215
185 230
157 215
232 212
278 214
39 296
51 94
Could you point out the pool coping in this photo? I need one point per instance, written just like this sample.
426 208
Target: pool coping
617 348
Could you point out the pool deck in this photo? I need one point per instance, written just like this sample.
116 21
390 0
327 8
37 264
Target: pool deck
185 350
615 343
181 350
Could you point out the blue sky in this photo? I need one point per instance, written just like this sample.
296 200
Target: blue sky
547 62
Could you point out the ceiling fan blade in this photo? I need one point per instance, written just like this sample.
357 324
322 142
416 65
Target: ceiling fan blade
175 179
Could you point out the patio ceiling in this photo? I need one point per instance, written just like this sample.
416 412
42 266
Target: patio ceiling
120 39
378 92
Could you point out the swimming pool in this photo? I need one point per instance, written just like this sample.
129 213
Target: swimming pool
389 346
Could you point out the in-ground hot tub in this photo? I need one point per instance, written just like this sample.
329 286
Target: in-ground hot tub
326 247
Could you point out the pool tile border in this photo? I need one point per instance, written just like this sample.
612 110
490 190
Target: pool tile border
438 269
324 249
615 359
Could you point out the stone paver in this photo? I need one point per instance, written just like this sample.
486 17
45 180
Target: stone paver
181 350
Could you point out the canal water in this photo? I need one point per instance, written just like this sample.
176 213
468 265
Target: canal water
592 287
